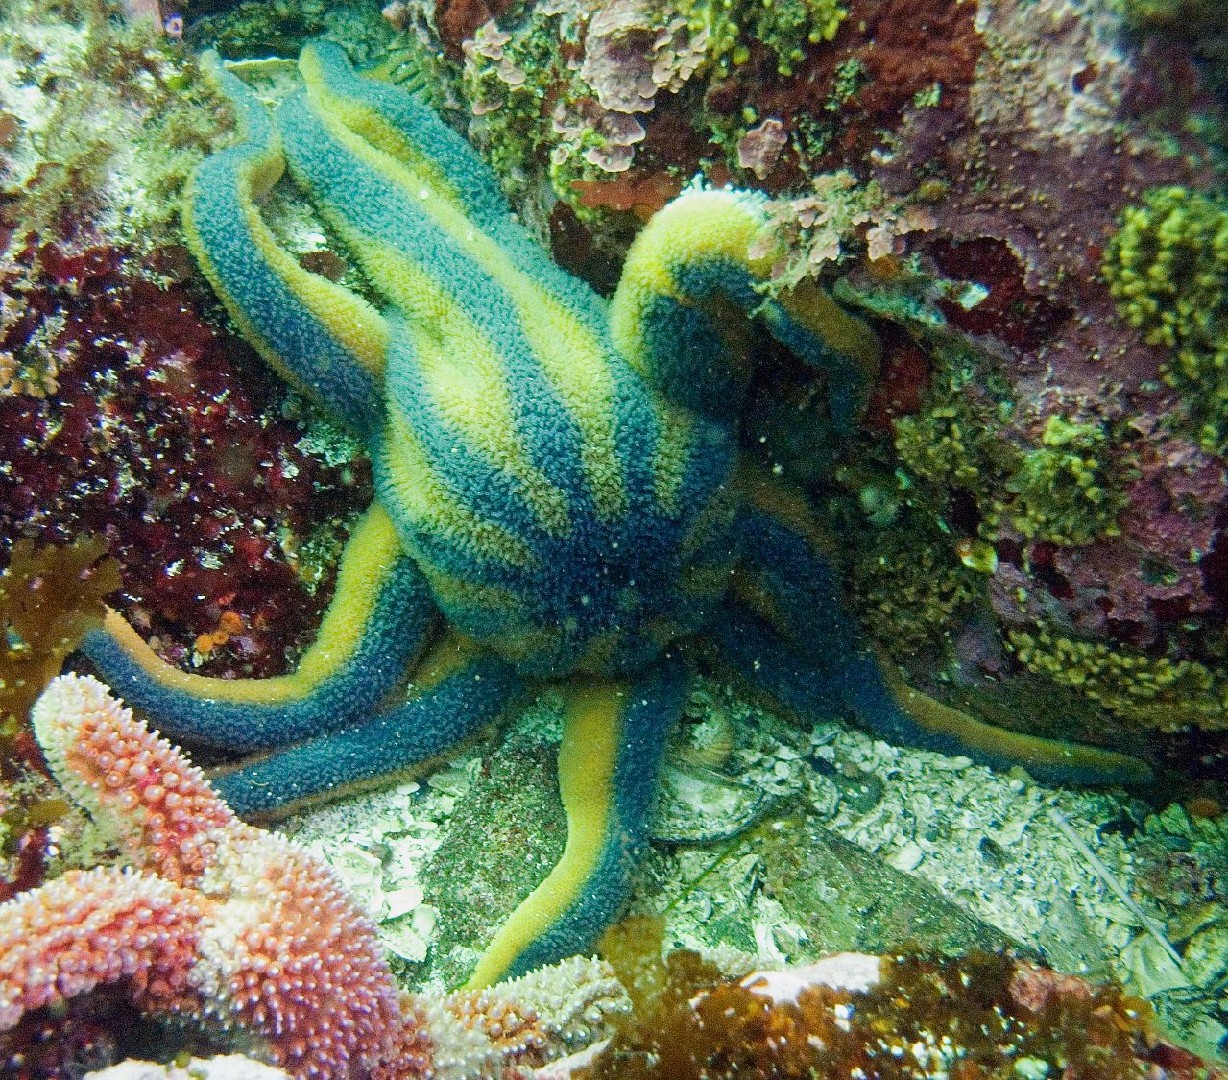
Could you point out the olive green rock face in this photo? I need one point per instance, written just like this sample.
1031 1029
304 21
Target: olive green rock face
849 899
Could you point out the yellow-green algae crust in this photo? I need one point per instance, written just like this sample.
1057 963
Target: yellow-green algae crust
1151 692
784 26
1167 269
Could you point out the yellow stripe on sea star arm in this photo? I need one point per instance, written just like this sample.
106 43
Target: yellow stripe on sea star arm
702 227
371 556
563 340
689 270
334 89
460 373
586 784
377 620
426 509
312 330
613 741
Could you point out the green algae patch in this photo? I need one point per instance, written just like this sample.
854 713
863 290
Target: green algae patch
1070 488
785 27
910 590
1152 693
1167 270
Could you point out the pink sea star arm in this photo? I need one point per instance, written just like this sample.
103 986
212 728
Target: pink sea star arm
134 784
281 953
291 957
237 929
92 927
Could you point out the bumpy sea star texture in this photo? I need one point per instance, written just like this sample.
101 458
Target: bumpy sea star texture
219 921
987 177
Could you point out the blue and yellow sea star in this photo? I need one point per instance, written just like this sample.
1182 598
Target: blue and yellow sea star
559 479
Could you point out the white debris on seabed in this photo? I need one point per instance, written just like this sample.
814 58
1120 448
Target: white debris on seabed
984 838
996 843
854 972
378 843
988 841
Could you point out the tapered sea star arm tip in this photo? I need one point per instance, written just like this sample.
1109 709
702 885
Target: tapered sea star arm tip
699 251
609 763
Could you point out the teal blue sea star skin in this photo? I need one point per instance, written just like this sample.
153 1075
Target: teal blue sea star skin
560 494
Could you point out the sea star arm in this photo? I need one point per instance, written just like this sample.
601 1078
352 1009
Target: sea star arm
320 336
613 742
788 630
464 378
88 928
223 923
400 124
492 346
456 691
377 621
670 313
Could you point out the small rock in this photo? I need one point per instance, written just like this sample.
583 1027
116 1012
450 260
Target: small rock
908 858
951 764
1152 970
1175 821
410 937
401 901
1031 1068
862 792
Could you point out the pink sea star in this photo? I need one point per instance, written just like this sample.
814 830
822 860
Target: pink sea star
221 922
